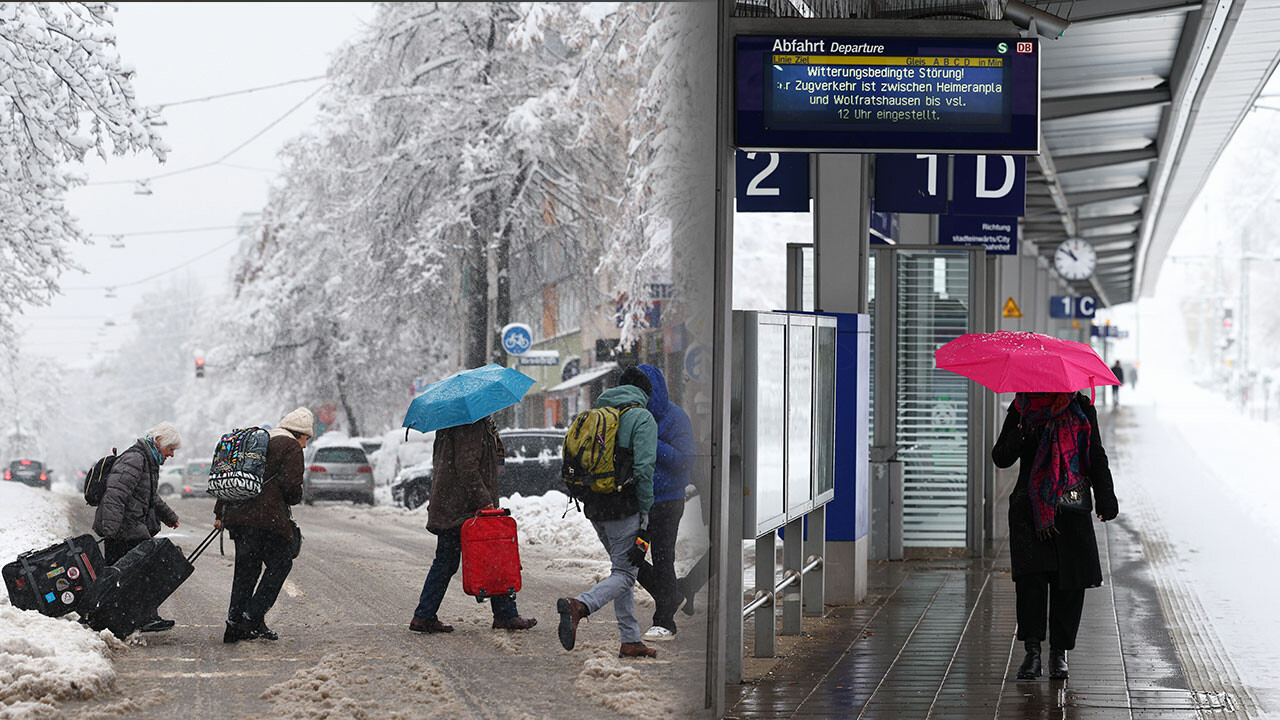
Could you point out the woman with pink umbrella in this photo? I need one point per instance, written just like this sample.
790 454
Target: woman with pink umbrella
1052 430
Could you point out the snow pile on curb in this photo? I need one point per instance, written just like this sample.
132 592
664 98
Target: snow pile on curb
623 687
539 522
42 659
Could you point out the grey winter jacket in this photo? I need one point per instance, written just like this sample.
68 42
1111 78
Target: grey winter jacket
130 508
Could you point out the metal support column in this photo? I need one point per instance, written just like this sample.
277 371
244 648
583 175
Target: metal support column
975 530
765 620
793 561
815 601
989 429
886 479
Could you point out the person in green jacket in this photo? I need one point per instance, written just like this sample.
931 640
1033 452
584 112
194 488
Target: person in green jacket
621 520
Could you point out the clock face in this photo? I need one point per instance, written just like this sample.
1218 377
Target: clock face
1075 259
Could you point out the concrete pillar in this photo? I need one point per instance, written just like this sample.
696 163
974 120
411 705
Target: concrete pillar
841 250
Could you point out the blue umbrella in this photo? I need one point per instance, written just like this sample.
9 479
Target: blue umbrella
465 397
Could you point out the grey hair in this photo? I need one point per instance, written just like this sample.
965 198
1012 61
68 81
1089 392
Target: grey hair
165 435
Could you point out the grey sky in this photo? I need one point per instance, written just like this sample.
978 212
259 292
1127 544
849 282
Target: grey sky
183 51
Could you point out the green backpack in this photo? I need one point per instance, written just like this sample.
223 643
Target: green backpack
593 463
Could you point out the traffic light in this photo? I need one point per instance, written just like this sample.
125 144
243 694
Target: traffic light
199 366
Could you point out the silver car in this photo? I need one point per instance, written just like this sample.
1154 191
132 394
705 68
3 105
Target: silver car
195 479
338 471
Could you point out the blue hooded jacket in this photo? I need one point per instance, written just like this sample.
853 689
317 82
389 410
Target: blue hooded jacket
676 446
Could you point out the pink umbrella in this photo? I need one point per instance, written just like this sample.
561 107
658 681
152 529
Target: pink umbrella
1009 361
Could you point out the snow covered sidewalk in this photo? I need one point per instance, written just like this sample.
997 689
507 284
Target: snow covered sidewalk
43 660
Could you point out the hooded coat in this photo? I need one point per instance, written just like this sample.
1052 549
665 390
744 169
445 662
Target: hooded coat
281 487
638 433
1073 552
676 447
464 473
130 508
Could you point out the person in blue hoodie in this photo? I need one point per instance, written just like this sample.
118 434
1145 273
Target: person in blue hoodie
676 455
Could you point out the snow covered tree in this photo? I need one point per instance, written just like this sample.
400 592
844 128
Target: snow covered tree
64 92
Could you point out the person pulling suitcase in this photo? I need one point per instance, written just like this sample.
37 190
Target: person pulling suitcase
263 530
131 509
465 460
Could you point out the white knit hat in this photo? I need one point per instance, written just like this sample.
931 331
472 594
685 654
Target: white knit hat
300 421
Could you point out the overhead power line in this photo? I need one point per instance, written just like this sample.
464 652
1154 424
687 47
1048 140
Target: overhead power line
179 231
218 161
162 273
233 93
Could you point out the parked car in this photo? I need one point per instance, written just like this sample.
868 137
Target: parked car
195 479
531 467
171 480
28 472
338 471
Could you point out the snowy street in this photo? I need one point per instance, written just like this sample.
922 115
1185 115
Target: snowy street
344 644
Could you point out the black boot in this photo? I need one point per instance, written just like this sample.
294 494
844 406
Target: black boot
260 628
1030 667
240 630
1057 664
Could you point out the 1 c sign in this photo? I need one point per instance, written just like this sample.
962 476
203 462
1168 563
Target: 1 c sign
1067 306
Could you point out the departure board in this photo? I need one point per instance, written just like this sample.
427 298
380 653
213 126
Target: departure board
938 95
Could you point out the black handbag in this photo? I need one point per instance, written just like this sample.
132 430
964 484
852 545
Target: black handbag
1077 499
296 546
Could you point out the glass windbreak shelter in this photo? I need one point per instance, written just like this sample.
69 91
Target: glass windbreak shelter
787 400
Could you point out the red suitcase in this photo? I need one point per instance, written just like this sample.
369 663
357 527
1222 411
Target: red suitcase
490 555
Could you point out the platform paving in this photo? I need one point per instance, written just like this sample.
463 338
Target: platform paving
936 639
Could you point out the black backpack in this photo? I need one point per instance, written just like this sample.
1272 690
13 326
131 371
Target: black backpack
95 483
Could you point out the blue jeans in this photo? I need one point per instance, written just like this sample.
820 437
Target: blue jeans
443 568
618 537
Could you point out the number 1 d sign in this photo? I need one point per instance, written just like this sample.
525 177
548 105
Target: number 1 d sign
772 182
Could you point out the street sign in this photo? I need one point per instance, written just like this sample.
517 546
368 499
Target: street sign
517 338
1011 309
539 357
1069 306
772 182
697 361
999 235
906 94
989 185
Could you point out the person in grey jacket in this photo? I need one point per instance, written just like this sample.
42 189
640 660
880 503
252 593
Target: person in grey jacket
131 510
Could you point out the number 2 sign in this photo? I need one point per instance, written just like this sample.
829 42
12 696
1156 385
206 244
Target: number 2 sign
772 182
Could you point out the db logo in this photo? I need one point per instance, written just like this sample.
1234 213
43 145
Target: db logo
1025 48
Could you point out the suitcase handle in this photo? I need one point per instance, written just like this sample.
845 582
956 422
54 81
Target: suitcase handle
496 512
203 545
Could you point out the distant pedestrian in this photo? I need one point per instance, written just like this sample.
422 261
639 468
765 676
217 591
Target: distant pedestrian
131 509
1118 371
465 463
621 519
675 456
264 532
1056 440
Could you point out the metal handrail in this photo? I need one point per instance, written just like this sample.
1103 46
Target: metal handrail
789 577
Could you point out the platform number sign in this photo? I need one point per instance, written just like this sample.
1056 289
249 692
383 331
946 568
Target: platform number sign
772 182
1068 306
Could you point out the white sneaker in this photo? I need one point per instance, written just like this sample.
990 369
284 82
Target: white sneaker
657 633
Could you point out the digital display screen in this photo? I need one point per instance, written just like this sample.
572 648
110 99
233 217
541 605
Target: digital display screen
951 95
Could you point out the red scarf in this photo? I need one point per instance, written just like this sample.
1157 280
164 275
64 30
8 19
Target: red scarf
1062 457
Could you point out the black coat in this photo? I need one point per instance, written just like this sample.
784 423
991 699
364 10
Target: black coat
1073 552
130 508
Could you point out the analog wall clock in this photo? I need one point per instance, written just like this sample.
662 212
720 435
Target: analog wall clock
1075 259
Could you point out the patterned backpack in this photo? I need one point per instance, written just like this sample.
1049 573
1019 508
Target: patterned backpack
239 462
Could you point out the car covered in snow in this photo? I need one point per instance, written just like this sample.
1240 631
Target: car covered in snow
531 466
27 472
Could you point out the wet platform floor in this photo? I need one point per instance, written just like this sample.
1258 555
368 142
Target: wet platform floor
936 639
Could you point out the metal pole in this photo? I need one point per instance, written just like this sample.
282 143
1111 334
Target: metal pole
765 623
793 557
815 602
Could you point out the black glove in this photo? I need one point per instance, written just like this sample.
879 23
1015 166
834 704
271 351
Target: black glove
637 552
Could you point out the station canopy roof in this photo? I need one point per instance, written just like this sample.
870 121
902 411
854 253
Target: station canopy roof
1138 100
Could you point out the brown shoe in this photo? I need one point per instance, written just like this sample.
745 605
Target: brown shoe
571 611
636 649
515 623
429 626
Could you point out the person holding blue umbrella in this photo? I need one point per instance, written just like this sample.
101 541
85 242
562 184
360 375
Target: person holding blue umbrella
466 459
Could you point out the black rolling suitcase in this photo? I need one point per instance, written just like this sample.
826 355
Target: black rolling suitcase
145 577
54 580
